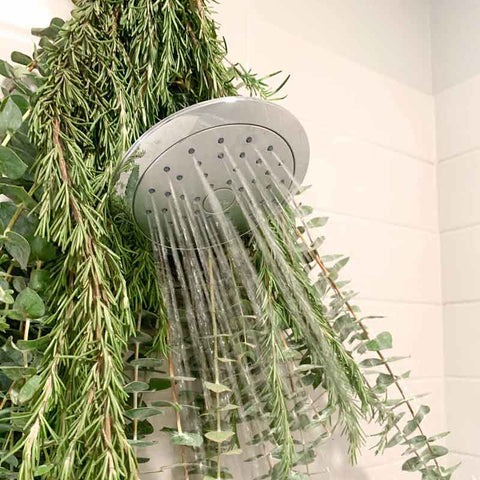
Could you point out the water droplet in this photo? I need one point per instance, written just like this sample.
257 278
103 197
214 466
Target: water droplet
166 169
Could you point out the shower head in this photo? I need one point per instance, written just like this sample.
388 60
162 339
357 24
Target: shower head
193 160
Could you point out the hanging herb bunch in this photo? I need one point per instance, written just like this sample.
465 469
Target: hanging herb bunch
86 326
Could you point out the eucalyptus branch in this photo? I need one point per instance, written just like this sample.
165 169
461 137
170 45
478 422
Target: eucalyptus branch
9 136
366 335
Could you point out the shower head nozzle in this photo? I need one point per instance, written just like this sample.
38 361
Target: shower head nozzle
200 156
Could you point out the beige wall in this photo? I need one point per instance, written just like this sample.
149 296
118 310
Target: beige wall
373 165
458 144
361 84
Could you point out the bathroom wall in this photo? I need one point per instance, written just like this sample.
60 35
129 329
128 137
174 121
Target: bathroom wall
18 17
456 80
361 83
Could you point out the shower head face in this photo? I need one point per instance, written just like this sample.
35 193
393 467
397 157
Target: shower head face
199 159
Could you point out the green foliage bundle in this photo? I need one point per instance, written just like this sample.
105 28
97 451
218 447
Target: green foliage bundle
385 400
82 313
101 79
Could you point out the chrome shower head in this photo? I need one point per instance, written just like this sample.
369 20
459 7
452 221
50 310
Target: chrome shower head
218 140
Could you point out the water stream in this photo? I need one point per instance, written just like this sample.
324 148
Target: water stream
232 354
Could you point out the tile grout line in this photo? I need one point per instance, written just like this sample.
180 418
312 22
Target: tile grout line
367 141
457 155
468 378
400 301
332 213
461 302
458 452
469 226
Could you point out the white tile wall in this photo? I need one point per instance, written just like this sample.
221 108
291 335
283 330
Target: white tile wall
462 333
337 93
20 16
458 116
455 39
387 262
352 29
460 260
458 145
416 334
469 468
362 179
459 206
462 399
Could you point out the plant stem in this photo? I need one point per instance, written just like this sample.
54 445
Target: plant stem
25 337
178 419
135 377
215 356
358 320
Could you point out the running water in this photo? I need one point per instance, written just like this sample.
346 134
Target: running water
241 384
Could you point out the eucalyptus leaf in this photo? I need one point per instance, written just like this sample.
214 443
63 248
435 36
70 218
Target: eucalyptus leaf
17 373
6 70
317 222
219 437
136 387
187 439
6 293
28 390
21 58
19 283
305 210
142 413
11 164
157 384
39 280
412 464
146 363
216 387
34 344
141 443
413 424
383 341
17 193
42 249
30 303
10 117
18 247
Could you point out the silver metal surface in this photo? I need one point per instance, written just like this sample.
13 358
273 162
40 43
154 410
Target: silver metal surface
220 140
